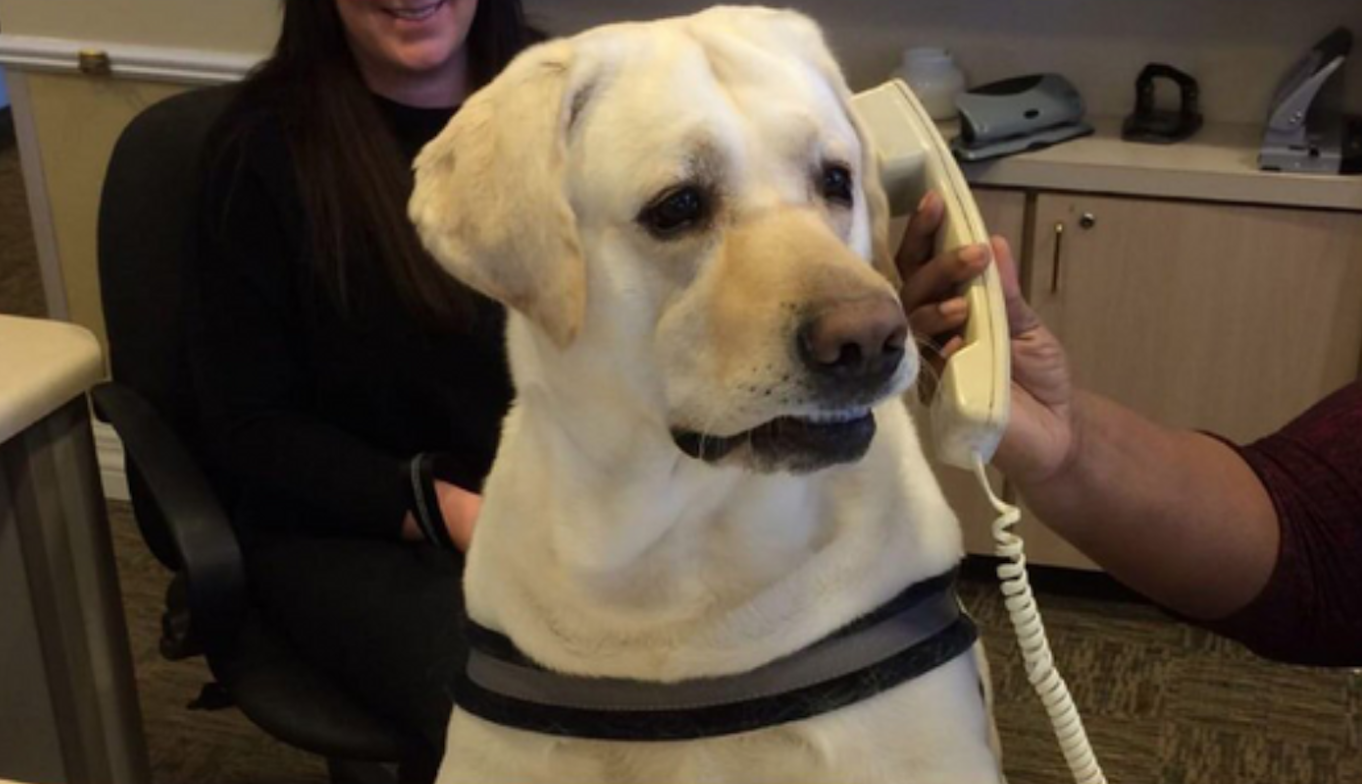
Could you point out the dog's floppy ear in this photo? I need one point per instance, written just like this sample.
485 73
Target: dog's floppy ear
490 200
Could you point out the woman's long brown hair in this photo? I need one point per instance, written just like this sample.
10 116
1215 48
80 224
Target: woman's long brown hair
352 178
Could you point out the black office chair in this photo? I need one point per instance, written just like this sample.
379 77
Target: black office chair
146 228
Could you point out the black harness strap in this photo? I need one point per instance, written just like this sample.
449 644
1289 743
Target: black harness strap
915 632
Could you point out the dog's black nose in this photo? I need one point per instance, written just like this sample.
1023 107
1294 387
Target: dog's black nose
857 341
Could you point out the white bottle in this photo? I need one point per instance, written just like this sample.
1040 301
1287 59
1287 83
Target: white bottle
934 78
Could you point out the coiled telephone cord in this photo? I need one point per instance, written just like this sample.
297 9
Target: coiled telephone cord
1035 647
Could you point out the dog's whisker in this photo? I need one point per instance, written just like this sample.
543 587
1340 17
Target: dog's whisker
930 368
705 430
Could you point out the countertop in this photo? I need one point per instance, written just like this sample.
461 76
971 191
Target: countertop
43 365
1218 164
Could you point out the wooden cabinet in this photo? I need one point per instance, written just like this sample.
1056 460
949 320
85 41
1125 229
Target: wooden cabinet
1225 318
1004 213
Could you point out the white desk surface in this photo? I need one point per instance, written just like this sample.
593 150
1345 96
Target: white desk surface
43 365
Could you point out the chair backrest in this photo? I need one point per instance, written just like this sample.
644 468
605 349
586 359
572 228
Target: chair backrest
148 215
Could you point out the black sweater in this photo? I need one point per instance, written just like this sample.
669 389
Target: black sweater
313 413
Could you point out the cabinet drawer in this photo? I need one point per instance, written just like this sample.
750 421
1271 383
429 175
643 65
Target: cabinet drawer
1222 318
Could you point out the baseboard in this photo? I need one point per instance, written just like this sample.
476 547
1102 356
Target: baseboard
109 451
128 61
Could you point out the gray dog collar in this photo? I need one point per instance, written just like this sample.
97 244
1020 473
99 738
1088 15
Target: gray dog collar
915 632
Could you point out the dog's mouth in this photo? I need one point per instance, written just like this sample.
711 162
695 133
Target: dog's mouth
790 443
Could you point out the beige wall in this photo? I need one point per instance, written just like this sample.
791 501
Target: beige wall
78 120
1238 48
218 25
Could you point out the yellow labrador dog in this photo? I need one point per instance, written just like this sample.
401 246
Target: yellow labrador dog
707 480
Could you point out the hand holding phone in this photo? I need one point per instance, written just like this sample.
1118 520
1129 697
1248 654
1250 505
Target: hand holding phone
969 411
932 281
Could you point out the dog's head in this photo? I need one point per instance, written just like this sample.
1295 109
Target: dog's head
686 214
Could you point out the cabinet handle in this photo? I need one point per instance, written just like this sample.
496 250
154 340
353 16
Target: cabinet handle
1059 255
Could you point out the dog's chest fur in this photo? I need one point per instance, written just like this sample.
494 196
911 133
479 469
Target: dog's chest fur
933 729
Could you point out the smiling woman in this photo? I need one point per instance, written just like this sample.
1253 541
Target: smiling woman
411 51
352 393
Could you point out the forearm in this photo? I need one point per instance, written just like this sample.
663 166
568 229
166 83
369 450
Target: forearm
1174 514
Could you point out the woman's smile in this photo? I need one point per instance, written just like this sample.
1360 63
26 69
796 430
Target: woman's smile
419 13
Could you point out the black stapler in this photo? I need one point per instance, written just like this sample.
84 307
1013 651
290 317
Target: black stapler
1151 125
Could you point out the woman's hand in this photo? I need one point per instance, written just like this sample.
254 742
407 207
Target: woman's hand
1042 437
458 509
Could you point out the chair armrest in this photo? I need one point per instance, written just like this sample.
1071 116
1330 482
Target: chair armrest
209 554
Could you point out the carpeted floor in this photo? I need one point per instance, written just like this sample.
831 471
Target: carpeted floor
1162 702
21 290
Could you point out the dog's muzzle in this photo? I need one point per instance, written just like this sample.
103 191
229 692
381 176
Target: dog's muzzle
849 352
853 347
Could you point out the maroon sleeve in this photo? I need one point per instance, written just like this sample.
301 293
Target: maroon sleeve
1310 612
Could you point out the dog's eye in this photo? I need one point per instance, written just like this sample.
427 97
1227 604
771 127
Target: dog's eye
675 212
837 184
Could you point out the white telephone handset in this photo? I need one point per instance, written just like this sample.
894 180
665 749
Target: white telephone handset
969 411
